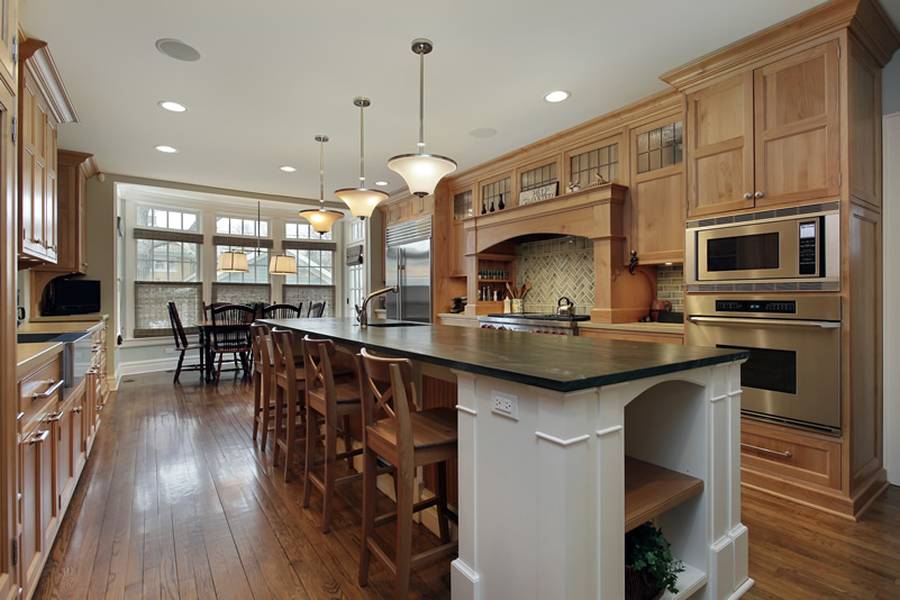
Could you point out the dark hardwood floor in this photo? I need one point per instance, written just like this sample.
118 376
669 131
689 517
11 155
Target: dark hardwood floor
176 503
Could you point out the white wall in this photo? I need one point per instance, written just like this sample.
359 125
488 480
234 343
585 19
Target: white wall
891 229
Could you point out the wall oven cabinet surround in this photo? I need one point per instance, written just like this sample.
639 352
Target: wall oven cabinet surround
793 374
796 248
43 106
766 137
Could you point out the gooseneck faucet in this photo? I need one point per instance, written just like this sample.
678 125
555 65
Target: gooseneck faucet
362 312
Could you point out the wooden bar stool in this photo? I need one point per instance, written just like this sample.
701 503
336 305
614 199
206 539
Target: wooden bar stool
289 380
394 431
334 402
263 371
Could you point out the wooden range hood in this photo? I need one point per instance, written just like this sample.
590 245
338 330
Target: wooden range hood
597 214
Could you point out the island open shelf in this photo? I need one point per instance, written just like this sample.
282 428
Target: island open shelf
651 490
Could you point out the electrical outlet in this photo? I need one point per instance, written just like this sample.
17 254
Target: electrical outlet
505 405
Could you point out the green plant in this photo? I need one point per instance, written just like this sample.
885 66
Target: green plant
650 555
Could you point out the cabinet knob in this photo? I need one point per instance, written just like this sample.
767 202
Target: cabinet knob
759 195
748 196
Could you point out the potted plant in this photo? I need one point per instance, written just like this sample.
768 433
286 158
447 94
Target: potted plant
650 568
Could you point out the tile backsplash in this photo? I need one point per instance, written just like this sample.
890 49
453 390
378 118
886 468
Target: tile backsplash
670 286
557 267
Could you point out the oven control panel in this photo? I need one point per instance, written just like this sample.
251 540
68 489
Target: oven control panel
808 252
780 307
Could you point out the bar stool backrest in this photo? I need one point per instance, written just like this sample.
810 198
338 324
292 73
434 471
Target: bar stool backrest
387 388
283 351
260 348
317 356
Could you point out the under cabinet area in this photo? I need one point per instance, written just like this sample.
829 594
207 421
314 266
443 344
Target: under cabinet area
766 137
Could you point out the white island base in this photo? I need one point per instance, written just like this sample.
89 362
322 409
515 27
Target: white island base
542 485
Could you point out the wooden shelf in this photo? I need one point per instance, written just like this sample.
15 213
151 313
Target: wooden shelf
651 490
495 281
457 275
491 256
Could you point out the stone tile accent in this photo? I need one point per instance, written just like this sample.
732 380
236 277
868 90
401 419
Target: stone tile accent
557 267
670 285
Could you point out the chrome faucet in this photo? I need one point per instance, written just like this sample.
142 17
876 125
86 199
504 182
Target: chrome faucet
362 312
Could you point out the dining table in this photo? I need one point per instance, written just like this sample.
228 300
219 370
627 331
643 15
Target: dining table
205 331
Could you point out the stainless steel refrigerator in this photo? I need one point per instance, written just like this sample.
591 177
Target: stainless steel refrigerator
408 266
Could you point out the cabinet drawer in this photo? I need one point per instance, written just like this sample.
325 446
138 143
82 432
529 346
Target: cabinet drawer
40 388
791 454
632 336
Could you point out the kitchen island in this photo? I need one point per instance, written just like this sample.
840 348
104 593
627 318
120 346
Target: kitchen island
546 493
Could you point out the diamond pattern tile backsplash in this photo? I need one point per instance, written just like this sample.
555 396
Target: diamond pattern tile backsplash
557 267
670 286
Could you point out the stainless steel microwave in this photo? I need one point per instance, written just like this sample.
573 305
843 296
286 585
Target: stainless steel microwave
775 249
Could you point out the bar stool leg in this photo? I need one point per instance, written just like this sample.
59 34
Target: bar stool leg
257 402
290 423
266 413
368 515
312 429
330 460
404 530
279 421
442 502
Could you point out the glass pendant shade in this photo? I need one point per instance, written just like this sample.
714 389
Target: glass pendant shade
422 172
283 264
320 219
233 262
361 201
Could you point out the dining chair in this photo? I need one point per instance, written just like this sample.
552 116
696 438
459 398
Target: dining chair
208 308
231 334
316 310
283 311
394 431
335 402
182 345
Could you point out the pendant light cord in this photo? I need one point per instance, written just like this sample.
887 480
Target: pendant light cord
421 103
322 175
362 150
258 221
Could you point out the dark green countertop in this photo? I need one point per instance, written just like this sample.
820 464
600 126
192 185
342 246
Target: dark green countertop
555 362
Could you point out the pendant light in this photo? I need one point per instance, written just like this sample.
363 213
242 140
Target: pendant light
233 262
279 264
321 219
361 200
422 171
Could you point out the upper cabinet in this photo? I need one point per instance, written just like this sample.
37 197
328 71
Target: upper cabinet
43 106
766 137
8 42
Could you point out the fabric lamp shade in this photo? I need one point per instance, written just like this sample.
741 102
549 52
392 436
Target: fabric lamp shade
422 172
361 201
283 264
233 262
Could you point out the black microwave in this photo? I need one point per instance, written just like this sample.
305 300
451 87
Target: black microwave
71 296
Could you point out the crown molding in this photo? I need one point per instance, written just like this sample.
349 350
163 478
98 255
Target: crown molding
37 60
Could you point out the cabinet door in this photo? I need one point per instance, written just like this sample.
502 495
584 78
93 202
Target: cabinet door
657 191
51 202
720 147
8 42
31 205
64 452
36 502
797 127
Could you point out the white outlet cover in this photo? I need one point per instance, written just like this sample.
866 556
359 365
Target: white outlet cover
505 405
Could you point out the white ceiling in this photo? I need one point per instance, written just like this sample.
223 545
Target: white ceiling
275 73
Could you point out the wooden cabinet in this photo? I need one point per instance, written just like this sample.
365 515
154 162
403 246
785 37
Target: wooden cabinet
8 41
657 191
73 170
766 137
654 336
43 106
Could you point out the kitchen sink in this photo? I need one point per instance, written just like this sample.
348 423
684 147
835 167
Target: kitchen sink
38 338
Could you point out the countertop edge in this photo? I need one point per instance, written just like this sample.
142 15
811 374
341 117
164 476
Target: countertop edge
637 327
35 355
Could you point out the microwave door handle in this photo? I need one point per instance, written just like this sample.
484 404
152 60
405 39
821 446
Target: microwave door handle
789 322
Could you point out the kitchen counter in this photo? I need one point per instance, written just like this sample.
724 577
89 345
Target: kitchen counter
666 328
562 441
59 326
29 356
559 363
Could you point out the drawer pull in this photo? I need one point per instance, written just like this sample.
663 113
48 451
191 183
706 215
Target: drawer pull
77 410
19 415
38 437
49 391
778 453
54 417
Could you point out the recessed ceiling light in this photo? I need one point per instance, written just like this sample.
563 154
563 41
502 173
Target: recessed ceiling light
172 106
381 183
483 132
167 149
556 96
287 168
177 49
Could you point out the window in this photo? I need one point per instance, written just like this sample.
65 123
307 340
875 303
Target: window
308 295
462 205
151 312
303 231
495 195
660 147
314 267
355 284
357 230
162 260
240 226
257 260
595 167
162 218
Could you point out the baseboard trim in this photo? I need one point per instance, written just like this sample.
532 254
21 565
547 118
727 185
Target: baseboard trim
137 367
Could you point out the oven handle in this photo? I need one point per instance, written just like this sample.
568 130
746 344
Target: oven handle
792 322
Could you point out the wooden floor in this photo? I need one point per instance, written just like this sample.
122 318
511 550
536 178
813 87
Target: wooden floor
176 503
